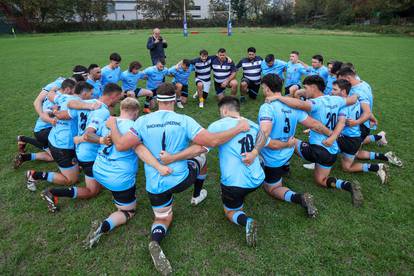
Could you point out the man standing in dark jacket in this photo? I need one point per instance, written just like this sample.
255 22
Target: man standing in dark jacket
156 45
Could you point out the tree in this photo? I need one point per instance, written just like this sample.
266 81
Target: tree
164 9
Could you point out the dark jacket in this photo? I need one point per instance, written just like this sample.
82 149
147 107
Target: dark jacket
156 49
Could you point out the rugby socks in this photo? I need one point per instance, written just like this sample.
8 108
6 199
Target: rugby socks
48 176
65 192
374 138
158 232
198 185
377 156
370 167
28 157
240 218
333 182
146 103
291 196
107 225
32 141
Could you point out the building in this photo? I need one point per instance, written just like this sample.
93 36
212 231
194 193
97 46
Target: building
127 10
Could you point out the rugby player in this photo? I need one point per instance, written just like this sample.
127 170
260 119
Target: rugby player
250 82
224 72
181 73
111 73
155 77
294 73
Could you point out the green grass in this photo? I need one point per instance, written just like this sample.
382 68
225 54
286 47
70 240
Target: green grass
377 238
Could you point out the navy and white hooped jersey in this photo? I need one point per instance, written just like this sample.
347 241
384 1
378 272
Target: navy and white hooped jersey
110 75
61 135
221 71
326 109
233 171
86 151
116 170
352 112
169 131
364 91
284 120
202 68
252 69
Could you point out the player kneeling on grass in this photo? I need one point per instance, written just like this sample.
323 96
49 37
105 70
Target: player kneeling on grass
60 141
237 179
168 131
278 121
44 123
321 149
88 140
181 72
130 87
349 141
366 119
116 171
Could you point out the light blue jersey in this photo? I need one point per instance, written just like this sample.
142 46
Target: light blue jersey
329 85
86 151
233 171
55 84
321 71
110 75
294 73
284 120
278 67
351 112
181 75
326 109
40 124
364 91
169 131
116 170
130 80
61 135
155 77
97 88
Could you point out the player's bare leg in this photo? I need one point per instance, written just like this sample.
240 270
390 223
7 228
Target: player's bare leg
178 88
233 87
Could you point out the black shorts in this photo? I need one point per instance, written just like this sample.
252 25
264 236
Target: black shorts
184 90
233 197
154 93
136 92
219 89
252 87
165 198
125 197
287 92
349 145
42 137
87 168
317 154
365 131
65 158
274 175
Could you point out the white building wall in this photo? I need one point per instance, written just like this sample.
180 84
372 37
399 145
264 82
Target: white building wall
126 10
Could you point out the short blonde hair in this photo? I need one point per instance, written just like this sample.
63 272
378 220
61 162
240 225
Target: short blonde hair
130 105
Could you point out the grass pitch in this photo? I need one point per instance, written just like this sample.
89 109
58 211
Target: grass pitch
377 238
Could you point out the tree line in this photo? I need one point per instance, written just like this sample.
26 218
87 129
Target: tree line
266 12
